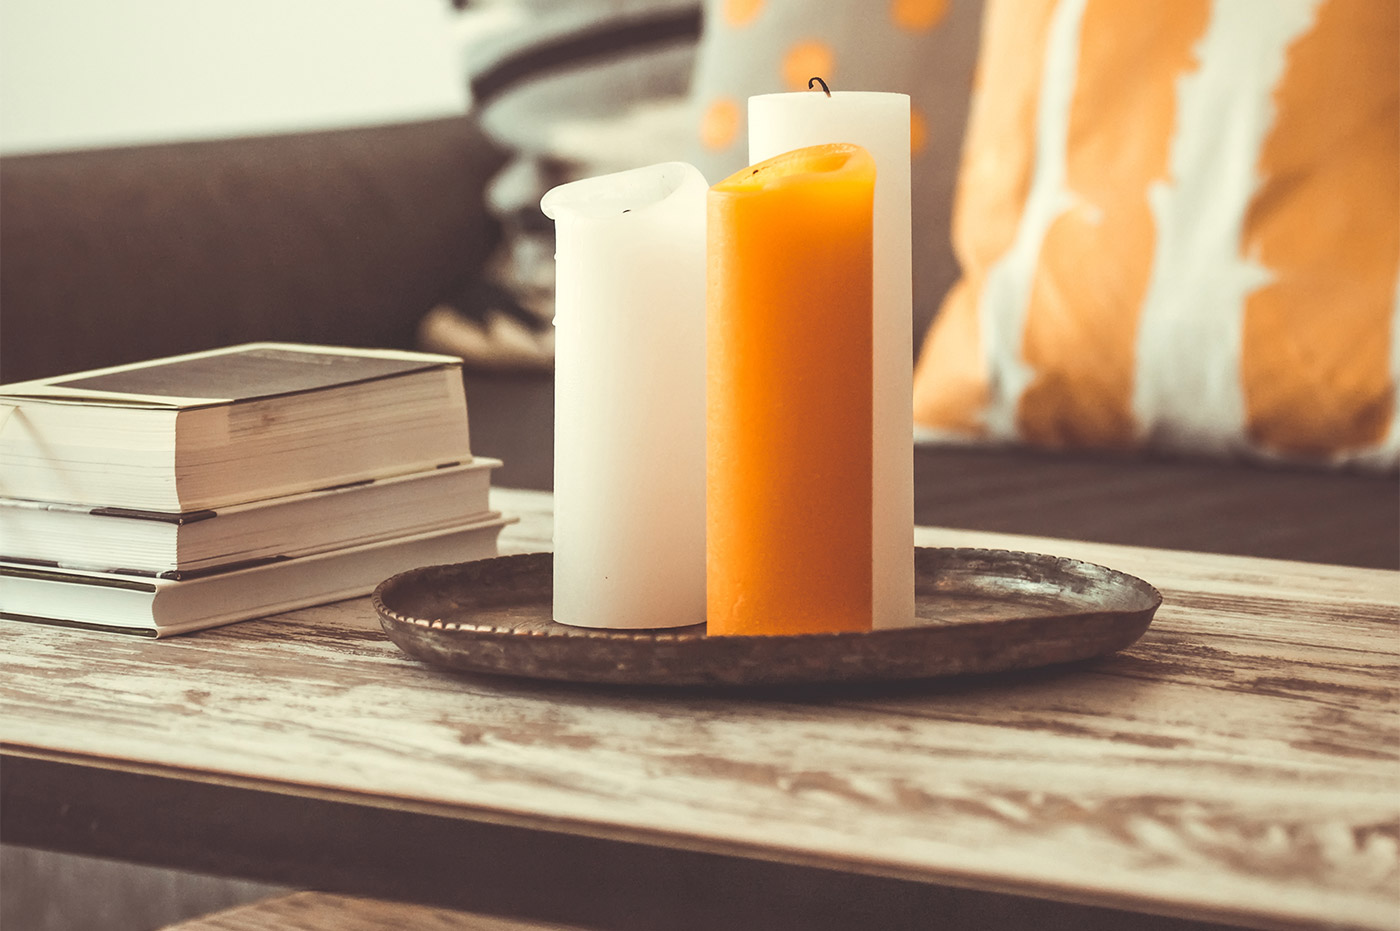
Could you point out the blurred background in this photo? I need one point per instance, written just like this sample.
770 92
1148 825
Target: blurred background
178 176
76 74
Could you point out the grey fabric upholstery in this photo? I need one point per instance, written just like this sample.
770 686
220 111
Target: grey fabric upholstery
344 237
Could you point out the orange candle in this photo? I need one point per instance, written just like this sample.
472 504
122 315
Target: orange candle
788 395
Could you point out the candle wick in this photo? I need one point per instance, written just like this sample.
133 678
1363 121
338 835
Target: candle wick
826 89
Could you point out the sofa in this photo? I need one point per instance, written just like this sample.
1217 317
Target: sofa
349 237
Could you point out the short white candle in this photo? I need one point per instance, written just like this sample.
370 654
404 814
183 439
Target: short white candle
878 122
629 389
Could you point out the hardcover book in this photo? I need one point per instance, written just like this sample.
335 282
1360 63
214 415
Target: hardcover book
154 607
180 544
231 425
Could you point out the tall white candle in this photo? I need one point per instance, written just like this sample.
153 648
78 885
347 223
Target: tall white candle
878 122
629 389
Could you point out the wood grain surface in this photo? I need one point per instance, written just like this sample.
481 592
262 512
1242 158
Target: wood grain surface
318 911
1239 763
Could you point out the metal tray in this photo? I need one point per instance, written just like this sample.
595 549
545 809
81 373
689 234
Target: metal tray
977 611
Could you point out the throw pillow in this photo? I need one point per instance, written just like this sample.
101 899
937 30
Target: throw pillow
570 88
1179 228
924 48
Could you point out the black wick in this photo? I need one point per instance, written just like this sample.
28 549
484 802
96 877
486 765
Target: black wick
826 89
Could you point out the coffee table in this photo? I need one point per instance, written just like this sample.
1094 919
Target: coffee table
1239 764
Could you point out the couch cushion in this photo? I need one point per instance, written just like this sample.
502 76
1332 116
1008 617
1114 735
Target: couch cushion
1179 227
346 237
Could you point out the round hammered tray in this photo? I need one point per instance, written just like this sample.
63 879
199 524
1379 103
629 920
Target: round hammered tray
977 611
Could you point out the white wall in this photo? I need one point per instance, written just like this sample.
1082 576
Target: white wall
84 73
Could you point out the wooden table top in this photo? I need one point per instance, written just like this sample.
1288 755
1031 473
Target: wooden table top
1240 763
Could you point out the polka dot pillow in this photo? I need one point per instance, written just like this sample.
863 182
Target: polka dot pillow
1179 228
924 48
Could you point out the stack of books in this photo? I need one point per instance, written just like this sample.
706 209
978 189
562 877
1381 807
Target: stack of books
181 493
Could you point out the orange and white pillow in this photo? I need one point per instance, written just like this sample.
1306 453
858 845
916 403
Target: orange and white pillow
1179 228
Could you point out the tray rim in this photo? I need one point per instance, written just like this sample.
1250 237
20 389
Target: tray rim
689 632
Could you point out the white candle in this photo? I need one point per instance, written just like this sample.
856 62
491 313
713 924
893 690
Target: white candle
629 389
879 123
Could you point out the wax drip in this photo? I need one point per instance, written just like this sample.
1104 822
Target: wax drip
825 89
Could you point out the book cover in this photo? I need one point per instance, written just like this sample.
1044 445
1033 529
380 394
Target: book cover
230 374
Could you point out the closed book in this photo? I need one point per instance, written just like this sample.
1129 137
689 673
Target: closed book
160 607
215 428
178 544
